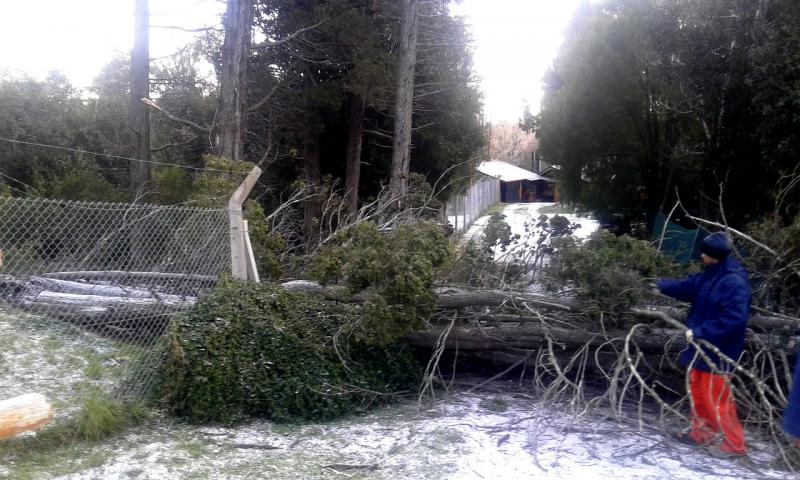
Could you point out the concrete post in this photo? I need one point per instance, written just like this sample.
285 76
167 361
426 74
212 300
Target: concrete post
237 232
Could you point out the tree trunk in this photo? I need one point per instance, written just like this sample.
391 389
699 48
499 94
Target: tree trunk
531 336
403 106
230 129
24 413
355 135
138 117
313 206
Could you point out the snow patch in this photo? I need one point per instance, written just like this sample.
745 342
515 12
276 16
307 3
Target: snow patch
465 436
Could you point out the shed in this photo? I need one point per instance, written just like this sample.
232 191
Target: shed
519 185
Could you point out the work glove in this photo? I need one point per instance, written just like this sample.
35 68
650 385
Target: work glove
689 335
651 287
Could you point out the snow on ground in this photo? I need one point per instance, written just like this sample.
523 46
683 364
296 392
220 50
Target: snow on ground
51 357
505 436
508 435
518 214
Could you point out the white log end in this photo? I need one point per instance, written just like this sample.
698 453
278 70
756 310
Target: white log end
24 413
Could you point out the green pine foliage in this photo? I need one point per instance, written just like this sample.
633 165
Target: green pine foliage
257 350
396 268
606 270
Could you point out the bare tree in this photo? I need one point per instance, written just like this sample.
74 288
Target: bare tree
404 96
138 117
229 135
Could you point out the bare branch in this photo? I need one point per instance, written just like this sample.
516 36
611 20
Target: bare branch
172 117
272 43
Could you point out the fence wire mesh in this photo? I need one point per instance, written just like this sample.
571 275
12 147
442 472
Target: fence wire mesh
87 291
464 208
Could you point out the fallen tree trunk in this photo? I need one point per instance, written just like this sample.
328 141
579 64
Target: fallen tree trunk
453 297
23 414
531 336
82 288
112 274
111 310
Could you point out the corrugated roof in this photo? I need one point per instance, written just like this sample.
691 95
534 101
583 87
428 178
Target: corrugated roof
505 172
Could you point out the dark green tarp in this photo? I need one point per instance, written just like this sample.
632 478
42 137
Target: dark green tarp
680 243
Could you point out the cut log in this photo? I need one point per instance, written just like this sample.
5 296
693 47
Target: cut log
66 286
108 274
51 299
23 414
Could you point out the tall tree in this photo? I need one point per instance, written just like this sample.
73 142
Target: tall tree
139 117
229 135
355 138
404 98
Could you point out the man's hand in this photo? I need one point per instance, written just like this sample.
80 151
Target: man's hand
652 287
689 335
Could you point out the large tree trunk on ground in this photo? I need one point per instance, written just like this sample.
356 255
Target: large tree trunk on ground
139 117
355 136
229 136
404 98
526 304
534 334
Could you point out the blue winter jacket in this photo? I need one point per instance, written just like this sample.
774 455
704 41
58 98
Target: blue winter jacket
791 416
720 298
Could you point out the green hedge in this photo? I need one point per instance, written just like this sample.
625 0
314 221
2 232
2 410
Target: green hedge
257 350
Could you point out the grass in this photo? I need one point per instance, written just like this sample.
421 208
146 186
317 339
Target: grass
73 369
94 369
69 446
102 416
558 209
496 208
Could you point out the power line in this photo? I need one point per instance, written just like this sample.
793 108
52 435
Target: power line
20 182
118 157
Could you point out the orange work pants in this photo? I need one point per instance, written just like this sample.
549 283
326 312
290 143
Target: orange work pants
715 412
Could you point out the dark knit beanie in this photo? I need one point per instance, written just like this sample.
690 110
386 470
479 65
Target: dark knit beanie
717 245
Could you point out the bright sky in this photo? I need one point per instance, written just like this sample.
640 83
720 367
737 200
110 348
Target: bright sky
78 37
515 43
515 40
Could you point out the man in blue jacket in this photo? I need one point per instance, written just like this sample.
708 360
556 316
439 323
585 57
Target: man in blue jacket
720 299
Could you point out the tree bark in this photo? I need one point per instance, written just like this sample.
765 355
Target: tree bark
139 117
24 413
313 206
229 136
403 106
459 298
355 136
533 335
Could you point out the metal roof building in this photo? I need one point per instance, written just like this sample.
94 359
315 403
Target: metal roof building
518 184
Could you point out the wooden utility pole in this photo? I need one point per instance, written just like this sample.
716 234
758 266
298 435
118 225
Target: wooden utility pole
139 117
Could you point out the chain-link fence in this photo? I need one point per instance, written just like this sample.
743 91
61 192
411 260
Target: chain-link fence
88 289
464 208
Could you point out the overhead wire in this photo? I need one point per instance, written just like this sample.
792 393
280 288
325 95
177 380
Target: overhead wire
33 190
119 157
